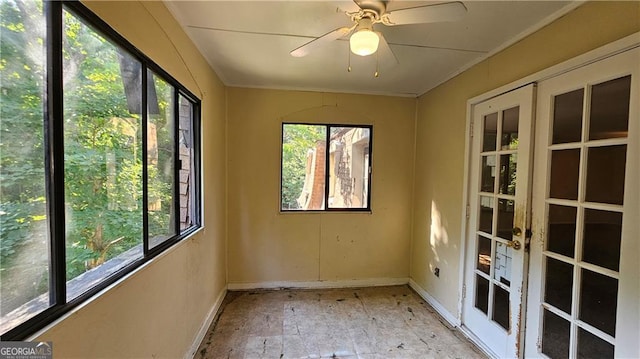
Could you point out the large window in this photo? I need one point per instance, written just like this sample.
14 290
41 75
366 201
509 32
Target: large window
325 167
99 160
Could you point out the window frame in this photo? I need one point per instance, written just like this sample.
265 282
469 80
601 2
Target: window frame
326 208
53 126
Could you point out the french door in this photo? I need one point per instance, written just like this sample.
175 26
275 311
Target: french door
584 284
498 219
577 188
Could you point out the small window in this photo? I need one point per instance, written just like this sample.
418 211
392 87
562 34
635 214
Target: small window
326 167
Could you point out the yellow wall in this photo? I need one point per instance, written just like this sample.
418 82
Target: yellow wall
158 311
160 308
265 245
440 134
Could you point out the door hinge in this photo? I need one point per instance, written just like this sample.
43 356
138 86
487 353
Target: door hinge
464 291
471 128
468 211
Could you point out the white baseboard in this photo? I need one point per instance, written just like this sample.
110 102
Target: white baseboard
444 313
205 325
450 318
351 283
475 340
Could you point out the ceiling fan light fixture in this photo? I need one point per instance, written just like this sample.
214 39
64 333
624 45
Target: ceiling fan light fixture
364 42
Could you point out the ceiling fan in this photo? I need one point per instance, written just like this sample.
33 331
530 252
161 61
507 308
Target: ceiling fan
364 41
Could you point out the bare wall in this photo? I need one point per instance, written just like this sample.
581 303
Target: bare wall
159 309
440 134
265 245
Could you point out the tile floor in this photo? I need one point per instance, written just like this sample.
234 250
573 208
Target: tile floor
366 323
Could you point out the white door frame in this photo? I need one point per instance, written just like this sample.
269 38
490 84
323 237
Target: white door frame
627 43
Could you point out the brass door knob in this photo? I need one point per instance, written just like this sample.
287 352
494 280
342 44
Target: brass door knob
515 244
516 231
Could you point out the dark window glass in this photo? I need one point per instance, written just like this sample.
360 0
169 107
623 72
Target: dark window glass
602 236
591 346
485 222
488 171
598 301
506 210
482 294
490 133
610 109
558 284
565 167
555 336
567 117
510 121
501 307
561 235
605 174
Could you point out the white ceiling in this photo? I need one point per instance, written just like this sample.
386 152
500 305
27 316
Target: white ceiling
248 43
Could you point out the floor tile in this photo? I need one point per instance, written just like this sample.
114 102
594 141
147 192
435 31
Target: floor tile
359 323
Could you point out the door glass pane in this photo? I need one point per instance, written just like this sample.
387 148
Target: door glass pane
598 301
502 265
605 174
558 284
348 167
501 308
591 346
602 235
485 222
508 167
505 218
567 117
482 293
610 109
484 254
24 239
509 140
488 173
490 132
565 167
160 160
103 156
561 235
555 336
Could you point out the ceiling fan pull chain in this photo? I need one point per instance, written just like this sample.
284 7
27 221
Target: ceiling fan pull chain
349 66
376 74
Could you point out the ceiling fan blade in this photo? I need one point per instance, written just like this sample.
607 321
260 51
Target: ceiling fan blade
429 13
305 49
386 55
348 6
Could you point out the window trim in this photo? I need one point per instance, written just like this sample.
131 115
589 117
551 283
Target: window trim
326 208
53 122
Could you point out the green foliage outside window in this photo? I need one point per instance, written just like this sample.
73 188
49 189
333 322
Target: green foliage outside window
297 141
102 153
